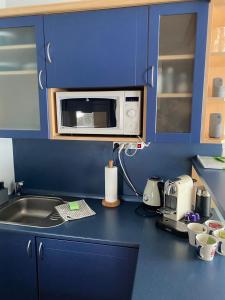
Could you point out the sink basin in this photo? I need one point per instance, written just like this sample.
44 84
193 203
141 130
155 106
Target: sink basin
32 211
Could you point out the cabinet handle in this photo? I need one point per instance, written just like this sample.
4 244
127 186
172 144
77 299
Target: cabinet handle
29 248
152 68
48 53
40 250
40 80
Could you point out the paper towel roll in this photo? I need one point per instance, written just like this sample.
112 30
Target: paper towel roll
111 186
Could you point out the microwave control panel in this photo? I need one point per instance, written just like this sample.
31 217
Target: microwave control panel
132 113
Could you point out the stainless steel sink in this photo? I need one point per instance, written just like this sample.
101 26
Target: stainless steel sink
32 211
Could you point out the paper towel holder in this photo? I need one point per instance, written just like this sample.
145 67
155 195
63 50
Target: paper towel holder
104 201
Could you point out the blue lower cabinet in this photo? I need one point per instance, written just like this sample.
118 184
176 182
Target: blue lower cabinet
75 270
18 279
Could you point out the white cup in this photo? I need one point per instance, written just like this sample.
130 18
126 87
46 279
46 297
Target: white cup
205 250
213 225
221 241
193 230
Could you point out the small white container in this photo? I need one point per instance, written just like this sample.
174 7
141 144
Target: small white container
206 251
221 241
213 225
193 230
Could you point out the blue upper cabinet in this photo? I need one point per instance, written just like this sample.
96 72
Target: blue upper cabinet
23 101
97 49
176 61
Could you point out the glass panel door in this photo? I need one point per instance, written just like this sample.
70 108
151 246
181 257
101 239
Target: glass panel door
19 97
175 73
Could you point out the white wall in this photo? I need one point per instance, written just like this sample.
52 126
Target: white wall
2 3
14 3
7 164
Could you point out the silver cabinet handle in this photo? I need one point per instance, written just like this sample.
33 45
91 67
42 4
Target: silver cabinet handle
40 250
152 68
29 248
40 80
48 53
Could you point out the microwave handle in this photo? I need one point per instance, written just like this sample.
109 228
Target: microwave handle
118 114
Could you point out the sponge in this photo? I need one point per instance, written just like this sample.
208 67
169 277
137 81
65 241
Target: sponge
74 205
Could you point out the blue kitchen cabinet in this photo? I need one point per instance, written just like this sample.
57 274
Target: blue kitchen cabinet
105 48
76 270
18 267
176 62
23 101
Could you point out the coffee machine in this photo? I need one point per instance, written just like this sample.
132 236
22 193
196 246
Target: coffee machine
178 195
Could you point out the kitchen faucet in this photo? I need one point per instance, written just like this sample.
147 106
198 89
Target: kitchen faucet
19 187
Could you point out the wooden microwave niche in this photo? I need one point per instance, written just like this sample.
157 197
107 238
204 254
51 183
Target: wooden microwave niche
54 135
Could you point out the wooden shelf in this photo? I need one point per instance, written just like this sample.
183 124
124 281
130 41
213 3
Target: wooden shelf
215 99
176 57
174 95
96 138
217 53
18 47
18 72
75 6
214 140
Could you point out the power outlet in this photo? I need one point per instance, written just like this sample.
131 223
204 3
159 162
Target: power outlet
131 146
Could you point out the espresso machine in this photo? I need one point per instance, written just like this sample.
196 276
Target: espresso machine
178 194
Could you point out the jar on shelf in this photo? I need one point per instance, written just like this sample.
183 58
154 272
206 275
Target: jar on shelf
219 42
160 78
182 85
168 80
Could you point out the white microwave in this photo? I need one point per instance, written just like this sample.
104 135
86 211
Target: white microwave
99 112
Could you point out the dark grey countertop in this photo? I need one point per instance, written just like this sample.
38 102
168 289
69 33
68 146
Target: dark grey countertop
215 182
167 267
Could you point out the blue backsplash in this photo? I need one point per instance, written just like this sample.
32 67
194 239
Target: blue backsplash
74 167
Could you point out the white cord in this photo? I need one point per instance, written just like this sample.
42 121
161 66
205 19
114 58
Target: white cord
132 154
124 172
145 145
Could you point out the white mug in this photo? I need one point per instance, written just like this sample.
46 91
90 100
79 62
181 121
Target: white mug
206 250
193 230
221 241
213 225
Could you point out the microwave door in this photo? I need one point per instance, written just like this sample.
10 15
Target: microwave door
90 116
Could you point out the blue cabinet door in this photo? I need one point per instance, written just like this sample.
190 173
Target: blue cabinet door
97 49
76 270
23 97
18 266
176 62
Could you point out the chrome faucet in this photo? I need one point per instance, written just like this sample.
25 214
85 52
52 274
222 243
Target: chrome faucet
19 187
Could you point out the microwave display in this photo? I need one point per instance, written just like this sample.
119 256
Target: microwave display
88 113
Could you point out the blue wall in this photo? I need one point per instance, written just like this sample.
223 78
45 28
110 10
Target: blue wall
74 167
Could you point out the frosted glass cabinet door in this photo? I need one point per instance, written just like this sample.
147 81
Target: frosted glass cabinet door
23 104
176 70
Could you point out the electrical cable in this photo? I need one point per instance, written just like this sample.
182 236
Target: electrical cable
145 145
130 155
124 166
124 172
142 210
115 161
